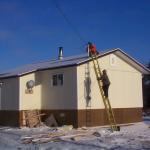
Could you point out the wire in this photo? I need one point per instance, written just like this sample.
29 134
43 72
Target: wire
68 21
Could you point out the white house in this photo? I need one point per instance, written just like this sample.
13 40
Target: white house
62 87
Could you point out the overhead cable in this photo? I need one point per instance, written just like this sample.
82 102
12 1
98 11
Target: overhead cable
68 21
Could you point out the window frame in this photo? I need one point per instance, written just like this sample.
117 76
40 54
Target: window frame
59 82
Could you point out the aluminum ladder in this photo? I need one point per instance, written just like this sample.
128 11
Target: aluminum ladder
110 113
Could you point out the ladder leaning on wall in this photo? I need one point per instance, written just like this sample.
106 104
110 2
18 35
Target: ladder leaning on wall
110 113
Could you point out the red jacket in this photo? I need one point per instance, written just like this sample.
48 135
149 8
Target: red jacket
92 49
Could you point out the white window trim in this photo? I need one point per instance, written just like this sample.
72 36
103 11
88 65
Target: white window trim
57 84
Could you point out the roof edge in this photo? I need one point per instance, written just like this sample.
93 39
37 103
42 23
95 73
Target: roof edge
83 62
100 55
135 61
121 51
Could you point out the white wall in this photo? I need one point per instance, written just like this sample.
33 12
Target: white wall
125 89
46 96
27 100
60 97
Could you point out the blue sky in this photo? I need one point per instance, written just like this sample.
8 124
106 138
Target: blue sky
32 30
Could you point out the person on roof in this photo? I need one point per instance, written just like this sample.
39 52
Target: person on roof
105 81
92 49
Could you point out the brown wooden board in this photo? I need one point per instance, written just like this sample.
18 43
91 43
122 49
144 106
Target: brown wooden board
32 118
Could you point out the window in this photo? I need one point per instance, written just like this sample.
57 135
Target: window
57 79
54 80
60 79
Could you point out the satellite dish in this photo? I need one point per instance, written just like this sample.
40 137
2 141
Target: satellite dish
30 84
1 83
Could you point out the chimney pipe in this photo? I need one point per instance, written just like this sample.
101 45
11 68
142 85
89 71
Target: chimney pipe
60 56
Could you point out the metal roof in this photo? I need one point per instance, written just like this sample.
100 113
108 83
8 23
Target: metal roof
70 61
67 61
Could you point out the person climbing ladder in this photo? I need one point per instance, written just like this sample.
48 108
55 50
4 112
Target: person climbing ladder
105 81
103 84
92 49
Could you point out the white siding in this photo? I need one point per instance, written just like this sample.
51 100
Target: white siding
46 96
60 97
27 100
126 85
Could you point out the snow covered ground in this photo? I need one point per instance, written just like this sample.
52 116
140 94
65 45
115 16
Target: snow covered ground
132 137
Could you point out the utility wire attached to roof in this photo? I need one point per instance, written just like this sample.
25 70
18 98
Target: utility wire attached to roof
68 21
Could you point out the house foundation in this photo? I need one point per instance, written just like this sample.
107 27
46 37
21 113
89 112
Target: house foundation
77 118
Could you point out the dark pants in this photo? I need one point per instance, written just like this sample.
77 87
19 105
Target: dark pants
93 53
105 89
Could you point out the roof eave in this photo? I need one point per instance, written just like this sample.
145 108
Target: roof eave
42 69
100 55
137 65
141 68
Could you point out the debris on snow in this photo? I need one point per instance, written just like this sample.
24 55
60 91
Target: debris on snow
51 121
136 136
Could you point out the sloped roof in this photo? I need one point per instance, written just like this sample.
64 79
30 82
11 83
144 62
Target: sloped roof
50 64
71 61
